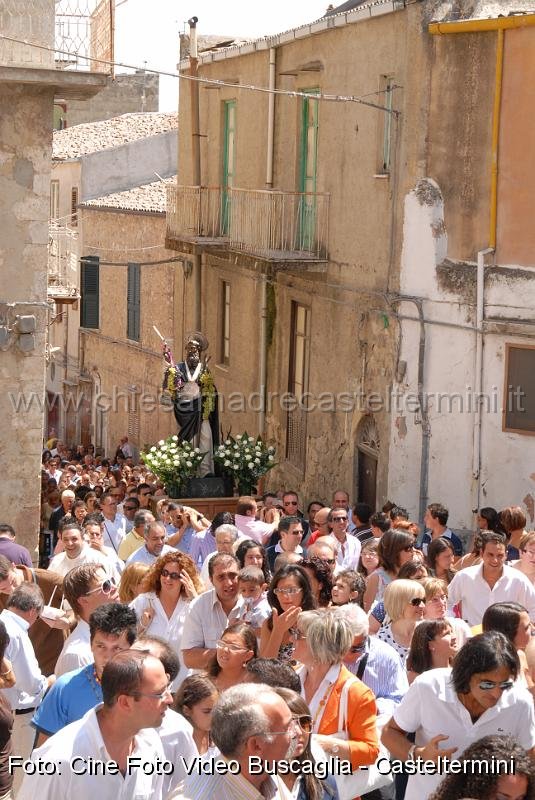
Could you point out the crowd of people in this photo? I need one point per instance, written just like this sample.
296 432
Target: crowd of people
249 655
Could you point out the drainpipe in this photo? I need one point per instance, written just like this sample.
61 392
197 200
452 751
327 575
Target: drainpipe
478 374
262 361
496 140
196 162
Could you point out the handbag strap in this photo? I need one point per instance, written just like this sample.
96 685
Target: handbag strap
362 666
342 709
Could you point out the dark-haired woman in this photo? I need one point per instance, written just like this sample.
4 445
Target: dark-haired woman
252 554
288 595
440 558
395 548
237 646
433 646
519 784
321 579
449 709
195 700
513 621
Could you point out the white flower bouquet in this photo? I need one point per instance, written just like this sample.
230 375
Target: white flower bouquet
173 462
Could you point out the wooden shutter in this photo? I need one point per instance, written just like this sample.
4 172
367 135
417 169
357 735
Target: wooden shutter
89 312
132 303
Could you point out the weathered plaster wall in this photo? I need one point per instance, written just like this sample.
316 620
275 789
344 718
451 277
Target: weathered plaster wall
122 363
25 153
123 95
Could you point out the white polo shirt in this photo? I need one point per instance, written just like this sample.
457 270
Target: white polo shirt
83 739
475 595
431 707
205 621
76 651
176 735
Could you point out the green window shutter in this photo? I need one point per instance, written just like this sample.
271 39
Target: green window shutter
133 303
89 280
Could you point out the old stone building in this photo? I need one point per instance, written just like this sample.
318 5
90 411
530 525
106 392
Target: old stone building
338 223
30 80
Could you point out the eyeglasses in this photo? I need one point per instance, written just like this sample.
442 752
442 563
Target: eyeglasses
290 502
417 601
105 587
486 686
358 648
175 576
232 648
330 561
304 721
154 695
287 592
339 519
297 533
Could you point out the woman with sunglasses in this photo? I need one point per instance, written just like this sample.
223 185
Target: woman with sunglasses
167 589
513 621
433 645
404 605
237 646
450 709
288 595
394 549
307 786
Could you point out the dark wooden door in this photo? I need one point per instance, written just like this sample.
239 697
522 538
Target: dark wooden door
367 478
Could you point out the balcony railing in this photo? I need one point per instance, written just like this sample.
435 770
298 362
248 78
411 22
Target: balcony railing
272 225
62 264
81 29
194 213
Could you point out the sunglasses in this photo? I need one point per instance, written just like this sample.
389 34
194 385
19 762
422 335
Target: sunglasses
105 587
486 686
305 722
339 519
417 601
290 502
175 576
358 648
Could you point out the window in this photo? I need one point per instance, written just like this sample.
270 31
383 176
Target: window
519 391
133 303
229 160
308 171
298 384
54 199
224 316
385 137
74 206
89 311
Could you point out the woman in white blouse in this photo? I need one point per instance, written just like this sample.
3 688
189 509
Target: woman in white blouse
167 590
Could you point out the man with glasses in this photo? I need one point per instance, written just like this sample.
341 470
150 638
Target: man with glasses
86 588
135 539
135 694
348 552
130 508
114 523
325 549
291 534
450 708
112 628
341 503
320 526
250 721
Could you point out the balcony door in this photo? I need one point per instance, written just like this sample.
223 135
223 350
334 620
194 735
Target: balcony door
229 160
308 172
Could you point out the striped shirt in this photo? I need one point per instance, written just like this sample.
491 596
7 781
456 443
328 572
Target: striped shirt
383 674
227 787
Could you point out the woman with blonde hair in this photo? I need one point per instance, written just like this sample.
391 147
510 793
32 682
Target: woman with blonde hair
167 589
526 562
404 605
131 578
436 606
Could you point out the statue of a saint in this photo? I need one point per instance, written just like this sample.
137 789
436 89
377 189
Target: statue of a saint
194 396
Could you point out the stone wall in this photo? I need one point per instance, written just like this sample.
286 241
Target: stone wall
122 95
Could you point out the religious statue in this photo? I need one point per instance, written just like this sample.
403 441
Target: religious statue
194 397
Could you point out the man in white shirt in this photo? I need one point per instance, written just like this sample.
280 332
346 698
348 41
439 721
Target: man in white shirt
250 721
247 524
154 547
348 553
93 531
208 614
474 589
340 502
23 609
86 588
136 695
76 552
115 524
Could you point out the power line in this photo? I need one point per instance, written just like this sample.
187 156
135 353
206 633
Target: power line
215 82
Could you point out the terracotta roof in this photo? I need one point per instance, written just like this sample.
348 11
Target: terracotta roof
148 197
90 137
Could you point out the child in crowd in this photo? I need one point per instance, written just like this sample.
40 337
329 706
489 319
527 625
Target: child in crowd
252 588
348 587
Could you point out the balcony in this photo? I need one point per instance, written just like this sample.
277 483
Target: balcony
62 264
283 228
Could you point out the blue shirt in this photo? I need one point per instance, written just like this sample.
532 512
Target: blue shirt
72 695
448 534
184 545
383 674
